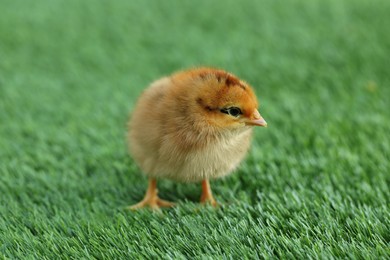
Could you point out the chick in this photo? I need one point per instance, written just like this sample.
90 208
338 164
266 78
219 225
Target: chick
193 126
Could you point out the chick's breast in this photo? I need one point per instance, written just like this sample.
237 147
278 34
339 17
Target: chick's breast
170 137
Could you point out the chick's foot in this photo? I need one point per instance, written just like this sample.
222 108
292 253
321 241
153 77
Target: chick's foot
151 199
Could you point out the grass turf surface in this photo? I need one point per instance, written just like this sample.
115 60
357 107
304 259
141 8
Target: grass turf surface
315 184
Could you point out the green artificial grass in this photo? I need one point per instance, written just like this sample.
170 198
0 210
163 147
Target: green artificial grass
314 185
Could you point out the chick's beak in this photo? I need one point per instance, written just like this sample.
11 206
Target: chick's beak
256 120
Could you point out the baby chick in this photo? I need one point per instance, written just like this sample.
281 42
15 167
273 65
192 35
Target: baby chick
193 126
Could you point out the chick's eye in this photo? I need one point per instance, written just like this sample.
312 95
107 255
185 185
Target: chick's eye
233 111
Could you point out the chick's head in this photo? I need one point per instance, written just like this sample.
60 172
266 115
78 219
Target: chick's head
223 100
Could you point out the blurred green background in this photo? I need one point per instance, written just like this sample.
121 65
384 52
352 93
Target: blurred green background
315 184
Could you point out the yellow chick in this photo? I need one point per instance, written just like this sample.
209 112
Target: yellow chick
193 126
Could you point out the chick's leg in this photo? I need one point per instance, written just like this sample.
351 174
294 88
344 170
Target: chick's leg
151 199
207 195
